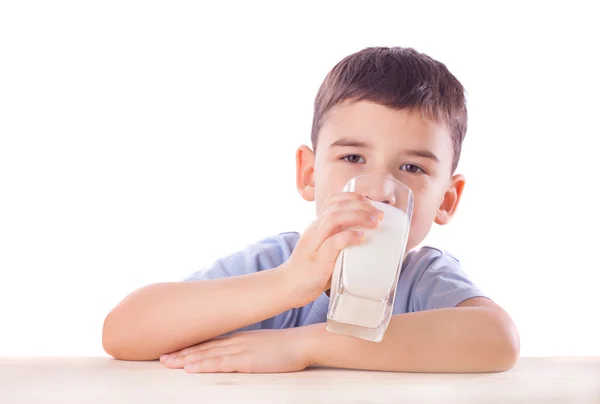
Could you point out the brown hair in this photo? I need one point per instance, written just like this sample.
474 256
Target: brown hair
400 78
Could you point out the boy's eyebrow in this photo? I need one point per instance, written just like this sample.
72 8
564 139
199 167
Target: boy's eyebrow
423 153
343 142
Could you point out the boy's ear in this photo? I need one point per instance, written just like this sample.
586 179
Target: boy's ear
451 199
305 169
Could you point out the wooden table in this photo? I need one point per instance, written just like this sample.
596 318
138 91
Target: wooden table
104 380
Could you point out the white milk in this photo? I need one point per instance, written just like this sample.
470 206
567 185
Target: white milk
370 267
369 272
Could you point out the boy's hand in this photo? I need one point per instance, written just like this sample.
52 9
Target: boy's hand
311 264
262 351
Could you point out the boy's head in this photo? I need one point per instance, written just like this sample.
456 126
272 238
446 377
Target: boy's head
390 111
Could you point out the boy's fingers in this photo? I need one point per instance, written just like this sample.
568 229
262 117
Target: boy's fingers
348 205
334 244
365 206
225 363
339 220
212 365
208 353
336 198
223 341
166 357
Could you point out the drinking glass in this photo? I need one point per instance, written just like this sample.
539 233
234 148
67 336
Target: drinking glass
365 276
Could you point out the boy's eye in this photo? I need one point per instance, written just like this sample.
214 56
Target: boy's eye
353 158
411 168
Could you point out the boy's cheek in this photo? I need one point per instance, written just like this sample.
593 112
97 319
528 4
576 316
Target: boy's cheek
416 236
420 224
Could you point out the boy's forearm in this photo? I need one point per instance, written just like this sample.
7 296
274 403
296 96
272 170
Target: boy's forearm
165 317
462 339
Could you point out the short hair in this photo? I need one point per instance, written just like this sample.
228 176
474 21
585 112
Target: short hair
399 78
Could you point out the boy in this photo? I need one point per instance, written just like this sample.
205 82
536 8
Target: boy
390 111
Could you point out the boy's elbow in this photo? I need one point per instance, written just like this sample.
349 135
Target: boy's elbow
506 346
512 352
122 330
506 357
111 344
116 343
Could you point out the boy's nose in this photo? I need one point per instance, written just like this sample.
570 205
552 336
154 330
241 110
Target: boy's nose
377 187
388 201
383 196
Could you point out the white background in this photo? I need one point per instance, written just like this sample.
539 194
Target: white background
140 141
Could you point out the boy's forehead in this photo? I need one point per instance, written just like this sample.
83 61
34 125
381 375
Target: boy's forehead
381 126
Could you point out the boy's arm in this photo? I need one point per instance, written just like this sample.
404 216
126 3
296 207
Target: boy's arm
165 317
475 336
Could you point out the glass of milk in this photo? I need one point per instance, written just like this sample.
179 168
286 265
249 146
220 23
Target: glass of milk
365 276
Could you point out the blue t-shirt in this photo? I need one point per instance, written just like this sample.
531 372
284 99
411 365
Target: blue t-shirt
430 279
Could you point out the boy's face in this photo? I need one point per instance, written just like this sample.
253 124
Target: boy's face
367 138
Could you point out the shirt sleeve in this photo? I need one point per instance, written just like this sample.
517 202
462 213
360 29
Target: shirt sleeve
265 254
442 283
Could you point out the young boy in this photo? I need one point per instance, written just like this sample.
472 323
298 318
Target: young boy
390 111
